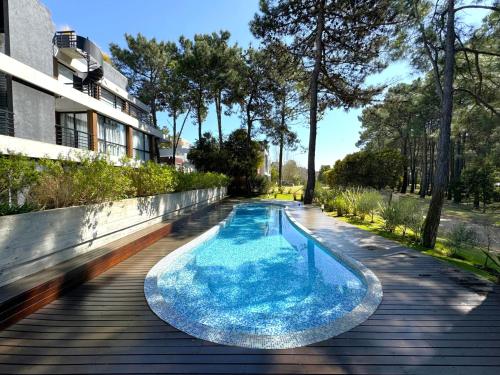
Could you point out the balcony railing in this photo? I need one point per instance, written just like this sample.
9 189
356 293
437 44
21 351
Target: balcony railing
72 137
69 39
6 122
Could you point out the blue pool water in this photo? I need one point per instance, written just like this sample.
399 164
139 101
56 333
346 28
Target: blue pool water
260 275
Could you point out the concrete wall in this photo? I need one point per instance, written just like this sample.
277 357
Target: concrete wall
30 39
115 76
33 241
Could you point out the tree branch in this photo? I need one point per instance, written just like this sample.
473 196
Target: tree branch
466 49
493 8
479 100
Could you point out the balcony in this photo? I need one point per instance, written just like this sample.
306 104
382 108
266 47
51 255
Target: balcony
69 40
77 47
6 122
72 138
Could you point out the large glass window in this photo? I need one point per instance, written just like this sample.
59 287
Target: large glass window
112 137
108 97
141 145
72 130
65 74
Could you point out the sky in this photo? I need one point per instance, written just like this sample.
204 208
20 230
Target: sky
106 21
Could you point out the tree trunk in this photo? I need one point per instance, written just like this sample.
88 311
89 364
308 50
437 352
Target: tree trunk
404 184
174 143
218 110
280 162
432 164
433 218
424 180
249 139
451 187
313 109
198 119
153 112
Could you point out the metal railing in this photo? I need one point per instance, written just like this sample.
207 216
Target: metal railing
69 39
6 122
72 137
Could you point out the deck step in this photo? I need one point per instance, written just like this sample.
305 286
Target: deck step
25 296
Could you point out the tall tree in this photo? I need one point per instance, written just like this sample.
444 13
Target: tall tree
284 75
252 94
174 95
440 41
143 62
196 67
340 44
223 73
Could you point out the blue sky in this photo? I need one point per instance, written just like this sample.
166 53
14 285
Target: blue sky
106 21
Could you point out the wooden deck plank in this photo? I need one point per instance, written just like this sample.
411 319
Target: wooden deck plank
445 323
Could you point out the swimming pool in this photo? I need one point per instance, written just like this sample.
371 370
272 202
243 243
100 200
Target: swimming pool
259 280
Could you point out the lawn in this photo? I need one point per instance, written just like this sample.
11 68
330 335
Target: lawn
468 258
285 193
464 211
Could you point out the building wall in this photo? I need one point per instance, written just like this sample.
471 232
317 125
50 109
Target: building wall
114 76
30 41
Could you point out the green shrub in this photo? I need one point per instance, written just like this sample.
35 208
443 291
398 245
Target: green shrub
65 183
13 209
152 178
368 204
341 205
462 235
199 180
351 197
17 174
391 214
62 183
259 184
411 216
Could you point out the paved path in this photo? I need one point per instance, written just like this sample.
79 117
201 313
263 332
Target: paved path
433 320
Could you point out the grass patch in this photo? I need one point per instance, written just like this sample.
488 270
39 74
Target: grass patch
286 193
464 211
471 259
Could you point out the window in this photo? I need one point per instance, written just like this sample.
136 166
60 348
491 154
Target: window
112 137
141 145
133 111
65 74
72 130
108 97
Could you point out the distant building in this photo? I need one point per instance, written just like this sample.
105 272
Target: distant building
58 94
181 159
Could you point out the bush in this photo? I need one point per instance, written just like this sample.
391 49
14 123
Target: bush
410 216
341 205
17 174
13 209
391 215
92 180
368 204
260 184
153 178
462 235
198 180
351 197
63 183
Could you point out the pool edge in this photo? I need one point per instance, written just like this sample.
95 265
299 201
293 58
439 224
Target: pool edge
358 315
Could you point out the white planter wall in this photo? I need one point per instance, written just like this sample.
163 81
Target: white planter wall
33 241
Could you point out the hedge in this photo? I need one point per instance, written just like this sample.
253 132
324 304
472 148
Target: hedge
28 185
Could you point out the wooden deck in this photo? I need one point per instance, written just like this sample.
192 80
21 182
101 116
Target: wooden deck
433 320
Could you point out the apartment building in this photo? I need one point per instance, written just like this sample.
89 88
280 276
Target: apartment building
58 95
181 160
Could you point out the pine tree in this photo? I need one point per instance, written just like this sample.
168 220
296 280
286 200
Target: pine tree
339 43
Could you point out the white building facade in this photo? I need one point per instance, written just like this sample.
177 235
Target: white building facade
58 95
